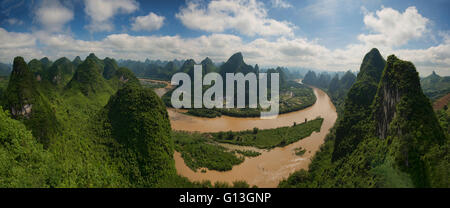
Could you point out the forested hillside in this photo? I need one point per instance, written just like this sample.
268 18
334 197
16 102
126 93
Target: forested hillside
387 136
152 69
336 87
293 95
83 124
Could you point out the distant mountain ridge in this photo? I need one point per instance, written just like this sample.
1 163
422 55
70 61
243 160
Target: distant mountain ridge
435 86
5 69
165 69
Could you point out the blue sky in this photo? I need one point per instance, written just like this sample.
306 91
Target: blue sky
318 34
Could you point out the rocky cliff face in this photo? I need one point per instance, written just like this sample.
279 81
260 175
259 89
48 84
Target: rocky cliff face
25 101
389 137
61 72
21 92
399 79
386 112
403 116
351 130
25 111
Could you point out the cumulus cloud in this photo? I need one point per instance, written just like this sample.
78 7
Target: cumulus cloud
248 17
436 58
149 23
281 4
17 44
267 52
391 28
219 47
101 12
53 16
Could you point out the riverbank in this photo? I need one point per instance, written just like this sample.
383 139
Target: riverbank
270 167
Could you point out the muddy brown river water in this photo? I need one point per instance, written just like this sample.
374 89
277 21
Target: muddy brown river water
268 169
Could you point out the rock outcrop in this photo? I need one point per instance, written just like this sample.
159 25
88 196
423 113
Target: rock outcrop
88 77
26 102
21 92
403 116
349 132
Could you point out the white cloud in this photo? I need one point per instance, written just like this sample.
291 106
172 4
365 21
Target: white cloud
392 28
101 12
17 44
247 17
53 16
219 47
14 21
281 4
149 23
429 59
281 51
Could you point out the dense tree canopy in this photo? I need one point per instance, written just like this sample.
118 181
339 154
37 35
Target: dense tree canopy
392 141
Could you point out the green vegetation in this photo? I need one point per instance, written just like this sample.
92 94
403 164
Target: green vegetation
24 162
395 142
435 86
321 81
293 97
5 69
100 129
270 138
198 151
443 116
69 138
26 102
204 112
300 151
88 78
357 105
336 87
248 153
203 150
60 72
157 70
77 61
3 85
151 84
138 124
110 68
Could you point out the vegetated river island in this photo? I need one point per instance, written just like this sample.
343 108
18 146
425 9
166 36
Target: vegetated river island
271 166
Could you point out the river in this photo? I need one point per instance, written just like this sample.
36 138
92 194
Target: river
268 169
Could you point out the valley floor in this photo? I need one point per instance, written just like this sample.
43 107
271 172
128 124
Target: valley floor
267 169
